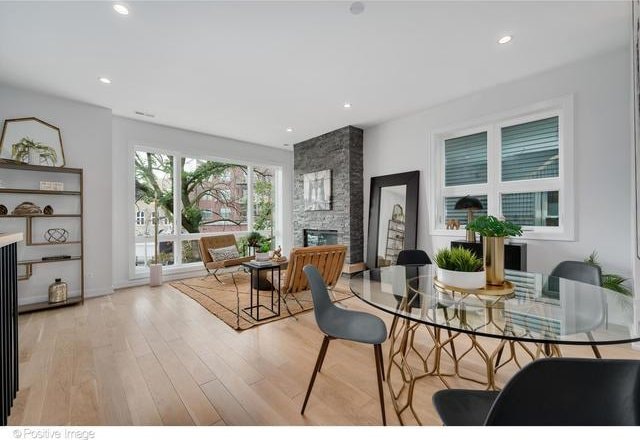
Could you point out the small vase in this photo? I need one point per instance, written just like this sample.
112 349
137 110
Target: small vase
155 275
262 256
493 254
58 291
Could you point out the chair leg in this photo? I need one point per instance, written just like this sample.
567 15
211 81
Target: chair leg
594 348
323 351
377 349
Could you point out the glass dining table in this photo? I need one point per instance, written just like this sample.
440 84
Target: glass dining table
438 331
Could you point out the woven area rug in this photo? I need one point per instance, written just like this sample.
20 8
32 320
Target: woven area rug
224 300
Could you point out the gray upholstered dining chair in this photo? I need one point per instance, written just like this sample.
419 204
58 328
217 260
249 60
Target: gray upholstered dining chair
589 274
338 323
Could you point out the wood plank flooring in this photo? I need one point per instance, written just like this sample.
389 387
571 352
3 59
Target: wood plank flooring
153 356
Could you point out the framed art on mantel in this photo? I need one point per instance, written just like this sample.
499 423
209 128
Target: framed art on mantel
317 191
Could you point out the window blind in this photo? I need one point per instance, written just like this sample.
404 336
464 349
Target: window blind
466 159
530 150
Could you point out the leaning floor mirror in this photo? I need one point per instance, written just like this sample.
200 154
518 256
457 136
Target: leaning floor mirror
393 217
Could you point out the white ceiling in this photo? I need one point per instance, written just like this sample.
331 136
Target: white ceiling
249 70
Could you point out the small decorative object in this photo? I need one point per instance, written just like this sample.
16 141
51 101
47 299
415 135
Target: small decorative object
3 210
453 223
48 210
459 267
277 255
51 186
32 141
493 232
317 191
56 235
27 208
398 213
58 291
470 204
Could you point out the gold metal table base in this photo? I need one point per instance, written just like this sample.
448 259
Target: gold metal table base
417 352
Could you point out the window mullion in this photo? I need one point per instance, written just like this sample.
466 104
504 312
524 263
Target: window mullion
493 170
177 204
250 197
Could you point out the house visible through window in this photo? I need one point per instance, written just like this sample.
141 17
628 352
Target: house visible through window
140 218
519 169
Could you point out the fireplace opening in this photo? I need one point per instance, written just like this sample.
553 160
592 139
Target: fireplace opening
319 237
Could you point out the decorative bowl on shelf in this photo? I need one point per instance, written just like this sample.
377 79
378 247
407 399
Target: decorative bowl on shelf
463 280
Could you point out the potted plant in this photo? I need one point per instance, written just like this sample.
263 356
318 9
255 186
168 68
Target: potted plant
32 152
493 232
262 253
611 281
155 267
459 267
254 241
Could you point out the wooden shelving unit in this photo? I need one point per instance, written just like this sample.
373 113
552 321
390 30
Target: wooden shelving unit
395 240
29 264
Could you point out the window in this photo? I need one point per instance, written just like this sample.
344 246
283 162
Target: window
213 196
519 167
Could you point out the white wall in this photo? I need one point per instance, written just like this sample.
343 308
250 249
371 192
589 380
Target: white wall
602 93
128 132
86 137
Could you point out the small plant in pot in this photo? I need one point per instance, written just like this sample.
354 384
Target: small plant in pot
493 232
459 267
262 253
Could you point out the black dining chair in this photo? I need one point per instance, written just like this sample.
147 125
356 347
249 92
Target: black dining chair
338 323
589 274
552 392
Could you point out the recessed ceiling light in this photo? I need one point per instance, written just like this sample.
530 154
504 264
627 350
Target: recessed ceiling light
505 39
104 80
347 105
289 130
356 8
121 9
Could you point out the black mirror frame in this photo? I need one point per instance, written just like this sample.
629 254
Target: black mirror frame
412 181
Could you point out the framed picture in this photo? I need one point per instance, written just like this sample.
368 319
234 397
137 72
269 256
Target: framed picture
317 191
32 141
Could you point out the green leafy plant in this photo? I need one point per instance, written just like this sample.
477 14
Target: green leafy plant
458 259
265 247
610 281
20 150
254 239
489 226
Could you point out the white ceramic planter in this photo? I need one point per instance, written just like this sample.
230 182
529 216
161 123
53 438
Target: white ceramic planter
464 280
155 274
262 256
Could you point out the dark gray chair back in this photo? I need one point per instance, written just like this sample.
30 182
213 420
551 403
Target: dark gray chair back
322 304
413 257
569 392
578 271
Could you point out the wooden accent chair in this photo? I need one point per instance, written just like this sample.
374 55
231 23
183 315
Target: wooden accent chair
217 242
328 259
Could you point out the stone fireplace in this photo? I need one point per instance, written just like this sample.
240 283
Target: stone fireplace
341 152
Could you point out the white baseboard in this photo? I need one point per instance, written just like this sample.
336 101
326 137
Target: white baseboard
165 277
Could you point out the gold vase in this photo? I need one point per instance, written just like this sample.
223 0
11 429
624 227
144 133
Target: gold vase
493 254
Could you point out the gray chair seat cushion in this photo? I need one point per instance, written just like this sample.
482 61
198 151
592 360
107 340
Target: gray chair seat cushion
464 407
353 326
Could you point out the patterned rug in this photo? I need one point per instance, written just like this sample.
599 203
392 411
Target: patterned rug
226 299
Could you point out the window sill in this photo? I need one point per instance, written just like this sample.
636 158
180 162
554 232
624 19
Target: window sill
527 235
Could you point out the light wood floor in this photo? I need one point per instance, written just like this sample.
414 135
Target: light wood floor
152 356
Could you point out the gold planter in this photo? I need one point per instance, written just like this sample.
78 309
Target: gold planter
493 254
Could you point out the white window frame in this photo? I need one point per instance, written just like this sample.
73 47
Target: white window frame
495 187
137 272
140 218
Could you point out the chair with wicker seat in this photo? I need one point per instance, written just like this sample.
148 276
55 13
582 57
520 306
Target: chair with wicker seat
219 242
328 259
